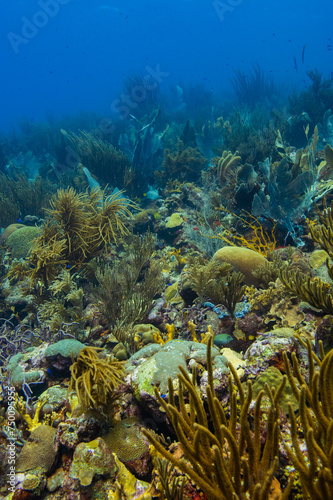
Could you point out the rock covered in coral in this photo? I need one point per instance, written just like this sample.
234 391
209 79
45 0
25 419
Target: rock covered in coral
273 378
146 332
235 359
92 459
26 367
267 349
10 230
55 398
29 367
29 485
83 428
163 362
175 220
154 364
324 332
127 486
60 354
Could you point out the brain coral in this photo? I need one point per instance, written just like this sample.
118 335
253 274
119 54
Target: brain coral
38 451
130 446
243 260
126 440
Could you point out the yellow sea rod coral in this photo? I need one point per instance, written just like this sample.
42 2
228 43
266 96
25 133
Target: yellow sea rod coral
225 459
95 380
315 400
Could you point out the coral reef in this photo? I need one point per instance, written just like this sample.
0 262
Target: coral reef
40 451
203 324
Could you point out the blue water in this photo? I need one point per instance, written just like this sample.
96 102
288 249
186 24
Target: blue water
65 56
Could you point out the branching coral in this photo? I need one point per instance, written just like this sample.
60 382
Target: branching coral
316 420
322 232
128 286
173 487
65 304
229 291
225 164
88 222
185 164
202 274
20 197
215 281
95 380
101 158
78 228
253 88
224 458
260 241
312 290
316 292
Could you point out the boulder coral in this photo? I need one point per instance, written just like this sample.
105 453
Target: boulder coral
243 260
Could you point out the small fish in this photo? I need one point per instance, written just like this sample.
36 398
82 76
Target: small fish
222 339
171 292
303 51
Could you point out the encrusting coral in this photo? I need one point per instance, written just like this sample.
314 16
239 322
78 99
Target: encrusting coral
224 457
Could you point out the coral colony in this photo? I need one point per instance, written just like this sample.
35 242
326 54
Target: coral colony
166 296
